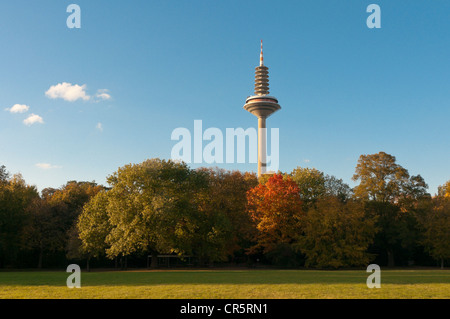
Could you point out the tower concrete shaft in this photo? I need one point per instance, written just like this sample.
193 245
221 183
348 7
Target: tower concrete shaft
262 106
262 143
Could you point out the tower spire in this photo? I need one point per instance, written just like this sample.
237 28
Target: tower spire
261 57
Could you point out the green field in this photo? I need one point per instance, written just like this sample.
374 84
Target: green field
245 284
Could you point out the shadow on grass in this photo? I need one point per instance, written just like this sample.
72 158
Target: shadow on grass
141 278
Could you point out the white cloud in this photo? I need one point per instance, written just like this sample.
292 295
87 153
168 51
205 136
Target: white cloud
103 94
68 92
18 108
33 118
46 166
306 160
99 127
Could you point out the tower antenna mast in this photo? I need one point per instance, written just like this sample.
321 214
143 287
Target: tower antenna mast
261 57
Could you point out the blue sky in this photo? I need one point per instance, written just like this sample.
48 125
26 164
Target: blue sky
345 89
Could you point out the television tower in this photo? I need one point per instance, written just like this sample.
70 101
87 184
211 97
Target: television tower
262 105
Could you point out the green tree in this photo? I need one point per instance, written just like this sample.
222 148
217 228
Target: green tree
66 204
206 232
314 185
48 192
389 192
444 190
311 184
227 193
336 234
44 230
93 227
335 187
15 196
150 208
436 229
383 180
4 175
75 194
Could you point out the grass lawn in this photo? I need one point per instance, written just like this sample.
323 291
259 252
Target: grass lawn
245 284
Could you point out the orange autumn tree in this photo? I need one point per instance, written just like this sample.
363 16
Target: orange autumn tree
275 208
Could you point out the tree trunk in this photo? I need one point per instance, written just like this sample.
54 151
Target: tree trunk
87 264
442 263
126 262
390 255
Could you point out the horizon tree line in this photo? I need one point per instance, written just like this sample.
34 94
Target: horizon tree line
304 218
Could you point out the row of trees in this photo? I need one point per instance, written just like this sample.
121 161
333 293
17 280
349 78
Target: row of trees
389 213
301 218
34 226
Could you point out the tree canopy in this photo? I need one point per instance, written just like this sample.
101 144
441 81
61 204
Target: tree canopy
337 234
301 218
275 207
